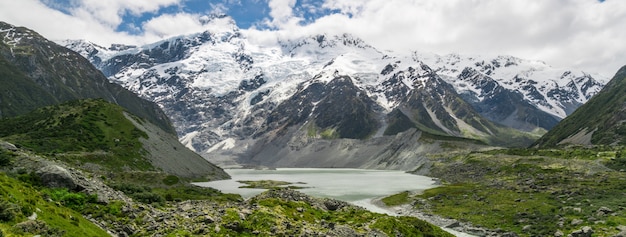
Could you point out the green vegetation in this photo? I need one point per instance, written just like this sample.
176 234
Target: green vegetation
531 192
326 133
78 132
171 180
159 195
329 133
263 184
397 199
270 184
407 226
18 94
6 157
76 201
311 130
272 215
19 201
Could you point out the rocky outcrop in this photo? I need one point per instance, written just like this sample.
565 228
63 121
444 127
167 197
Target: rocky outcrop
584 232
54 176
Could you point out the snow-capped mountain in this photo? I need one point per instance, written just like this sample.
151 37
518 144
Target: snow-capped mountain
231 97
555 91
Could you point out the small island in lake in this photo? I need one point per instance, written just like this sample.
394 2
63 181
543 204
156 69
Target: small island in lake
268 184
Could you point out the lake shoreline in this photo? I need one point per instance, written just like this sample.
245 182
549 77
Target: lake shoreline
453 226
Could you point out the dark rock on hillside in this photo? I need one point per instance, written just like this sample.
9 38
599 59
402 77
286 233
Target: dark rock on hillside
433 105
54 176
338 105
504 106
584 232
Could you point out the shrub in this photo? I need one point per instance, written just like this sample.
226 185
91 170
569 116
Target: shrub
148 198
7 211
5 157
29 178
72 200
171 180
130 189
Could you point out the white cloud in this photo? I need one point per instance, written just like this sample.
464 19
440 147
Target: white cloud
56 25
110 12
169 25
584 34
218 8
281 12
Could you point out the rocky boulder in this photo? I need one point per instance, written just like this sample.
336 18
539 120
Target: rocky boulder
584 232
54 176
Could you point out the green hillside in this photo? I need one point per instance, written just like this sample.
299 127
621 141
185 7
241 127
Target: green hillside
103 137
88 130
19 201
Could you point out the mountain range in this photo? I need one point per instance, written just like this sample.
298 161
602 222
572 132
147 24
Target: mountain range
231 99
37 74
601 121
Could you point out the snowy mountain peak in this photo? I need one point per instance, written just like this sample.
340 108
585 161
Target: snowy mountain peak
218 86
323 41
13 34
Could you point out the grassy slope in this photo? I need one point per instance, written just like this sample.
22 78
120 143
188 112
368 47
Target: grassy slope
23 200
542 190
91 131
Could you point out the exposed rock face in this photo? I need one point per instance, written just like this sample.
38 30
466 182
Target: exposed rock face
54 176
502 105
584 232
7 146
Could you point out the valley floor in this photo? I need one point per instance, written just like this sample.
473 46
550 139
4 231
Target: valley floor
525 192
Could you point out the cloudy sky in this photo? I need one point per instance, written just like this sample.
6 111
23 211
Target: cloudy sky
586 35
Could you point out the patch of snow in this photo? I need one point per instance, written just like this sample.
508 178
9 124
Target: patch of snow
223 145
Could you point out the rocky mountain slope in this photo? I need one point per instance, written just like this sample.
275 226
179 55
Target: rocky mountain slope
35 72
601 121
99 136
228 96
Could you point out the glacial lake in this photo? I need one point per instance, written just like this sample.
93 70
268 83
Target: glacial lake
357 186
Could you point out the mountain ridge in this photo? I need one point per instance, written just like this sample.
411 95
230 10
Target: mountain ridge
37 65
598 122
225 89
38 74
